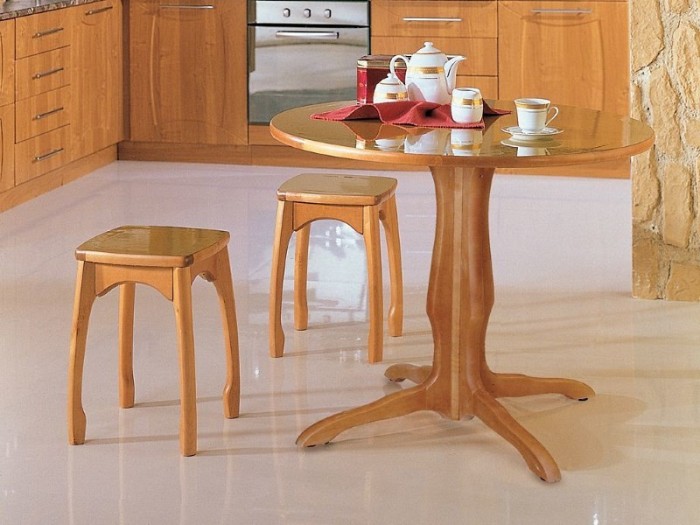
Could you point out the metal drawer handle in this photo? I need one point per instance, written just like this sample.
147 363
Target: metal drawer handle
333 35
185 6
48 32
48 155
98 11
430 19
47 113
42 74
561 11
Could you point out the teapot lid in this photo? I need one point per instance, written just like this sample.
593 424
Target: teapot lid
428 55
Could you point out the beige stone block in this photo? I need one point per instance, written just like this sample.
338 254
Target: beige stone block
645 265
677 204
677 6
664 107
684 282
692 132
647 32
636 102
685 52
646 194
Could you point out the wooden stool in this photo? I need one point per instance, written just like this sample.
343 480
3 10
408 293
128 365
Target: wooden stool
168 259
360 202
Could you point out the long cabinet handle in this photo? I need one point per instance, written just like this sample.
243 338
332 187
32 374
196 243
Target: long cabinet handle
333 35
47 32
430 19
42 74
185 6
98 11
48 155
561 11
40 116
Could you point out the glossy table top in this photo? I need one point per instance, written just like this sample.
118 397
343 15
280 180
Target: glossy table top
587 136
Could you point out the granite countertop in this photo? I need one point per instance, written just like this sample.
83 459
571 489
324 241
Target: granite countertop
16 8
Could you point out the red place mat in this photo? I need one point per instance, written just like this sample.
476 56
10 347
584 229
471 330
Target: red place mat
409 112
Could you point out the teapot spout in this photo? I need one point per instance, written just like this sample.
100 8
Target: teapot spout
451 71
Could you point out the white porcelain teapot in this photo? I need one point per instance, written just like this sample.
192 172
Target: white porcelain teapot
430 75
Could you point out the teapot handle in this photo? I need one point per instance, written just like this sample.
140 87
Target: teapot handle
392 67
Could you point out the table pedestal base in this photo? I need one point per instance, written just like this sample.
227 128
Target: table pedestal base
459 384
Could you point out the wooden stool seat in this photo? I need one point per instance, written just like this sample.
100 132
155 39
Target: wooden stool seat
361 202
168 259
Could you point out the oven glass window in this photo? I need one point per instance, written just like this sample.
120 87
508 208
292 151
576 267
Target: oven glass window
293 66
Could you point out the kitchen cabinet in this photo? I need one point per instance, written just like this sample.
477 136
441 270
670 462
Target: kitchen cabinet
188 68
7 147
97 76
573 53
7 107
43 94
7 62
456 28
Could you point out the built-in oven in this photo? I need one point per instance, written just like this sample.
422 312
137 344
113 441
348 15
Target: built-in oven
303 52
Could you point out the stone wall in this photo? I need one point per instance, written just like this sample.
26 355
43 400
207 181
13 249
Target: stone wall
665 91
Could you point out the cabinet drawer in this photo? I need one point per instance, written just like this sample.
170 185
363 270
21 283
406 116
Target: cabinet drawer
42 32
41 154
42 113
436 18
43 72
481 53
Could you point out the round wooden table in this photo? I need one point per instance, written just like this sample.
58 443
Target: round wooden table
459 384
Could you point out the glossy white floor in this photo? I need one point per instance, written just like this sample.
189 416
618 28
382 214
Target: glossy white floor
562 264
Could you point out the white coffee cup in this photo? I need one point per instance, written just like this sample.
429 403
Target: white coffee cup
467 105
466 142
533 113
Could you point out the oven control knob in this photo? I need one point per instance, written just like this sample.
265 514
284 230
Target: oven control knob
286 12
307 13
327 13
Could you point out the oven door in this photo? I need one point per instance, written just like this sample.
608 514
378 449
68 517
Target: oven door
296 66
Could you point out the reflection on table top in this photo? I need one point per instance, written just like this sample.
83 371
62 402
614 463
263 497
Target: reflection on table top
587 136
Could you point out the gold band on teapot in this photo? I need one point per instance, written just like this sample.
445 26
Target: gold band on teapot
418 70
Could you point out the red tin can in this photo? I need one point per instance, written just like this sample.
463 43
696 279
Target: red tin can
371 70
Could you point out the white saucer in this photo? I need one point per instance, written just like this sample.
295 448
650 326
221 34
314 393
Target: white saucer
524 136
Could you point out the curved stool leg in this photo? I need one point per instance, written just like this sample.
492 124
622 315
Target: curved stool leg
223 283
127 292
301 265
182 303
283 232
374 282
84 299
390 221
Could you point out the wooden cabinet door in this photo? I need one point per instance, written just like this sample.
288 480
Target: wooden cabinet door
97 79
457 28
573 53
7 62
188 68
7 147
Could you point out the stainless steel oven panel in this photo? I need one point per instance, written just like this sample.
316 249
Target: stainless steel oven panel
311 12
296 66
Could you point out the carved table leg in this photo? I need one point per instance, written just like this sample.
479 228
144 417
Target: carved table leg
459 383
